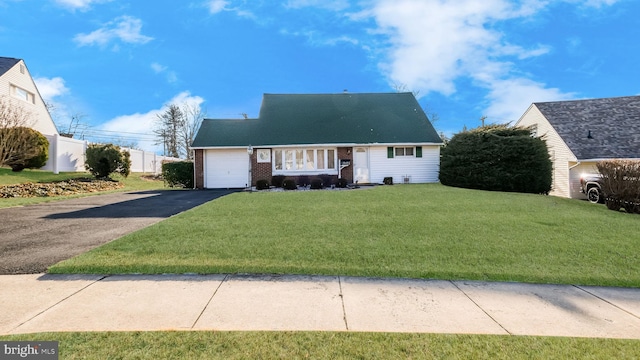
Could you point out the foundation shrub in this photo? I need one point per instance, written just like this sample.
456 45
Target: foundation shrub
289 184
277 180
262 184
316 184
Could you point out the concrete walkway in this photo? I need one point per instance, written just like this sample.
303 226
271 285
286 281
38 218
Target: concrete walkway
44 303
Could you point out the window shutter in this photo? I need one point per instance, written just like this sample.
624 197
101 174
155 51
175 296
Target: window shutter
418 151
390 152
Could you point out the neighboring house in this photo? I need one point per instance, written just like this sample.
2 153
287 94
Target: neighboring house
582 132
362 138
18 87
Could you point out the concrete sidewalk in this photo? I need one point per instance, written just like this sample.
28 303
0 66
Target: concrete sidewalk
44 303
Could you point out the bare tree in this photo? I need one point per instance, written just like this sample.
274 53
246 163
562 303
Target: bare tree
15 132
168 127
193 116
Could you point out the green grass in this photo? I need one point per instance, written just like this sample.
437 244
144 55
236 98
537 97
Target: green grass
327 345
414 231
133 182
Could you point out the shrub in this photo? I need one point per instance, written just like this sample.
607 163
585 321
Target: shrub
102 160
388 180
342 183
289 184
303 180
620 183
316 184
178 174
262 184
277 180
327 180
23 148
497 158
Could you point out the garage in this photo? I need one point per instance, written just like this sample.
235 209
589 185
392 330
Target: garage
226 168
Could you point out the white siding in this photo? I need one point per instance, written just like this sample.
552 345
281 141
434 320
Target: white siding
420 170
226 168
558 150
41 119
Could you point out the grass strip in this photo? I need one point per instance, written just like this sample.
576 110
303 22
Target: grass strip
327 345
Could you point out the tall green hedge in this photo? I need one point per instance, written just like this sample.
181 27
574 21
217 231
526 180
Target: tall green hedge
497 158
178 174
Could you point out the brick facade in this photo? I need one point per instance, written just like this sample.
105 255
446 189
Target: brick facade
263 171
199 169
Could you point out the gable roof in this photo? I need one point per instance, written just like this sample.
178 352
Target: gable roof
613 123
306 119
6 64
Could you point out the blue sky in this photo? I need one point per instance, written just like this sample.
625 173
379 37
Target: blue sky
118 63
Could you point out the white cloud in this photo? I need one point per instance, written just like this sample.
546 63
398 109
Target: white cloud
79 4
510 98
216 6
171 76
433 44
144 123
124 28
50 88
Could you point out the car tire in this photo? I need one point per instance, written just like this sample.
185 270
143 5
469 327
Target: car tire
593 195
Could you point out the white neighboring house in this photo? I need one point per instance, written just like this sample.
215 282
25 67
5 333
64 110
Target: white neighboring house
361 137
17 85
580 133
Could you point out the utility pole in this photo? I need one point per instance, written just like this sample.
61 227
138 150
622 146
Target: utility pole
482 119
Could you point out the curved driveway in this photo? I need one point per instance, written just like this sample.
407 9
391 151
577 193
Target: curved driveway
35 237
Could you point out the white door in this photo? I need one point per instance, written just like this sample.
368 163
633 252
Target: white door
226 169
361 165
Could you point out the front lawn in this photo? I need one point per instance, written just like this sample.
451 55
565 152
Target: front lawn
413 231
327 345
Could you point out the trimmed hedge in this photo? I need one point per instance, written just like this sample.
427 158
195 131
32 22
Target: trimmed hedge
497 158
620 184
178 174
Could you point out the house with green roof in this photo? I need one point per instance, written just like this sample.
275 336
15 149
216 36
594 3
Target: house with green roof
579 133
361 137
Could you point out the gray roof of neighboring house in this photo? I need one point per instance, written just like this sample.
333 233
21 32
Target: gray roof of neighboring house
597 128
345 118
7 63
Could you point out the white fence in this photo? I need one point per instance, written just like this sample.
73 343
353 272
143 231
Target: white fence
68 155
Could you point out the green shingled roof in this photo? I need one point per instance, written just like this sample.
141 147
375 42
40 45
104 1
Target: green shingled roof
348 118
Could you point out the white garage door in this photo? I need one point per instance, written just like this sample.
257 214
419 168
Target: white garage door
226 169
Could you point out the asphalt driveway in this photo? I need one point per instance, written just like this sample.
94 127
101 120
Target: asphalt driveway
35 237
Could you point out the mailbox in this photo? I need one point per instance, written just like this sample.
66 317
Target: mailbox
345 162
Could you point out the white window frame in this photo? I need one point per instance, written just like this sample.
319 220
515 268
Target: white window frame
22 94
291 164
404 151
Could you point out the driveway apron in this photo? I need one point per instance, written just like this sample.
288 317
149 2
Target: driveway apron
34 237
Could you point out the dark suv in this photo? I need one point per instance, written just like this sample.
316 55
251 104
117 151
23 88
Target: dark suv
590 186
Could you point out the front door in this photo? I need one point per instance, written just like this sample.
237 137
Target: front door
361 165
